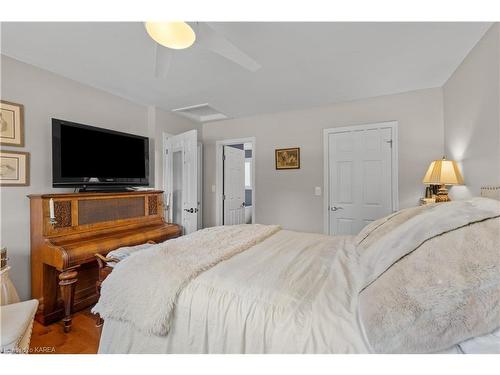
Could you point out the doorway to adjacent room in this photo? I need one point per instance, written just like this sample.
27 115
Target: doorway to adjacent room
235 186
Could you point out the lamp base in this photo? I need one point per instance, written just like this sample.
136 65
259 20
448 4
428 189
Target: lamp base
442 195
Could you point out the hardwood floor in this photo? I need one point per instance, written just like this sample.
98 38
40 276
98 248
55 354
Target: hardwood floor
83 338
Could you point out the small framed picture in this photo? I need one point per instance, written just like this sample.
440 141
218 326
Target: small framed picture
11 124
14 168
287 158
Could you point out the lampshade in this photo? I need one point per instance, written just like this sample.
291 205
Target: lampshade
443 172
176 35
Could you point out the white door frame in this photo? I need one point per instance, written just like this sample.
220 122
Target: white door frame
200 185
326 167
219 182
166 176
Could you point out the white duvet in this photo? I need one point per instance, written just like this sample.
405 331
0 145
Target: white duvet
289 294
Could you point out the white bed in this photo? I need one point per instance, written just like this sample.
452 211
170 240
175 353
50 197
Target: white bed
291 293
260 301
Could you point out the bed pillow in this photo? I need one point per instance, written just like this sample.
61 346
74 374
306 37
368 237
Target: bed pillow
445 292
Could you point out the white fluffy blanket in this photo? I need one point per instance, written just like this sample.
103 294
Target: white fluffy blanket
143 289
434 278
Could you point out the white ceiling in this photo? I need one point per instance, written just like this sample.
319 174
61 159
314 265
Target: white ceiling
303 64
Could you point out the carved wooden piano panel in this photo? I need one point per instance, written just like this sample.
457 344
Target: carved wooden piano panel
63 266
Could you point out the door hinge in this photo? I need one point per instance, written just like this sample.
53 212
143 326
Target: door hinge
166 152
390 142
223 197
223 157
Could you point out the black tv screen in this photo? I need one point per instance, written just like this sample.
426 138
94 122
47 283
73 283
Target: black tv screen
86 155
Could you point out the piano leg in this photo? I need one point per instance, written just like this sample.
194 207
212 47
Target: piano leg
67 281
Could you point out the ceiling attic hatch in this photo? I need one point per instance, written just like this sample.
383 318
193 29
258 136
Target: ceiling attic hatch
201 113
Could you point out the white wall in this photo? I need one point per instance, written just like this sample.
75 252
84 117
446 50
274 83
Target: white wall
287 197
46 95
471 99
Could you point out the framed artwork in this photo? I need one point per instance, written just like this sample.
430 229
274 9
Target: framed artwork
287 158
11 124
14 168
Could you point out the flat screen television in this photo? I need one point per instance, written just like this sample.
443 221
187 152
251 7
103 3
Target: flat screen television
87 156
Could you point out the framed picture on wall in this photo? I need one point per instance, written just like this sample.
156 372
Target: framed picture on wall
11 124
287 158
14 168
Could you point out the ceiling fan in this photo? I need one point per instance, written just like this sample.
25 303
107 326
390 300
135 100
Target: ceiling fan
171 36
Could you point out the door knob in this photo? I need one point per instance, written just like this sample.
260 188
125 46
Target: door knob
335 208
190 210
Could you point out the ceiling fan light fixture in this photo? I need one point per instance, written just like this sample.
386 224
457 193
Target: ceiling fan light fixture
175 35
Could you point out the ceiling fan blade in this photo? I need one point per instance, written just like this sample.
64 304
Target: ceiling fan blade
209 38
162 61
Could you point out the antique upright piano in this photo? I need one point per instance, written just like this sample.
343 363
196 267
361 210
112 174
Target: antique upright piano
67 230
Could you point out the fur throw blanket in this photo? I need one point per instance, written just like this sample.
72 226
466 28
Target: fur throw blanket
143 288
433 279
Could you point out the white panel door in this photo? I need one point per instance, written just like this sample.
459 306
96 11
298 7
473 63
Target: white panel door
360 178
234 186
181 180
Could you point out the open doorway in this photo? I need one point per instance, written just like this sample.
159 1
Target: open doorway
235 182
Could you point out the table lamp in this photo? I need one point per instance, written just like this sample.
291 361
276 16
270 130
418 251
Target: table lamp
443 172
